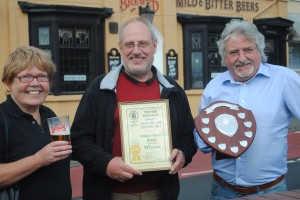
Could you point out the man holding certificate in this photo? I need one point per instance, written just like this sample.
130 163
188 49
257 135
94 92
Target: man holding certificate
133 129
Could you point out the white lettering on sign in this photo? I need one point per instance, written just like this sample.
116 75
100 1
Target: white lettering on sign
74 77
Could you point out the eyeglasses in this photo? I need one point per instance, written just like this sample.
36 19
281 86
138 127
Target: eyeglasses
236 53
39 78
140 44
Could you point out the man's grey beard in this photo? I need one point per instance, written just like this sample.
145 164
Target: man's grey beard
243 75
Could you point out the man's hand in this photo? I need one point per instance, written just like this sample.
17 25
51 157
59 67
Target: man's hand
178 157
120 171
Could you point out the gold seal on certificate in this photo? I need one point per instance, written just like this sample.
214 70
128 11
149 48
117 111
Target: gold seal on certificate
146 134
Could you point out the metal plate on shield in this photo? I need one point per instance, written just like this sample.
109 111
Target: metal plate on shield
226 127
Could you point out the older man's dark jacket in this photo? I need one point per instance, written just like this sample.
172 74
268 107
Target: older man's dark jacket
93 129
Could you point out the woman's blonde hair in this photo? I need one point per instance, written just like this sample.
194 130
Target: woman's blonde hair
23 58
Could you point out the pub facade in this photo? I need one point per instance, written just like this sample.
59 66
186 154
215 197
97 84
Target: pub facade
82 39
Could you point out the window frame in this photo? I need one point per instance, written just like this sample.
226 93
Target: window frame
202 24
56 16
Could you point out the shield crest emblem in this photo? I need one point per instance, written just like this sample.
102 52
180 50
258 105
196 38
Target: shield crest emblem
226 127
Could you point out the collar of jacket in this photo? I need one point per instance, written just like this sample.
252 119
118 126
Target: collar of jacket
110 80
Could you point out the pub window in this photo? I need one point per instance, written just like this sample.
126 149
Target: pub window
294 55
73 37
294 47
294 42
214 59
197 61
74 58
275 31
44 35
193 58
202 60
270 50
72 51
43 38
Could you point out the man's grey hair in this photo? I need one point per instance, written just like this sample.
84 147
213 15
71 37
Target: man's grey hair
247 29
138 19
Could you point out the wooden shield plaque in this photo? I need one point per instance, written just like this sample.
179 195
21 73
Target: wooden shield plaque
227 128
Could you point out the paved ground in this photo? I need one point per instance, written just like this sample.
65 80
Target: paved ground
195 179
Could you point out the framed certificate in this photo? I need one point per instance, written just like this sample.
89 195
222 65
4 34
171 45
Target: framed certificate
146 134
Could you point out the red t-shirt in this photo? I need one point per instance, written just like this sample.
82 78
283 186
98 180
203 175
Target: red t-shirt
129 89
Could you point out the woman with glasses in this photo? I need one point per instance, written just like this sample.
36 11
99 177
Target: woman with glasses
28 158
